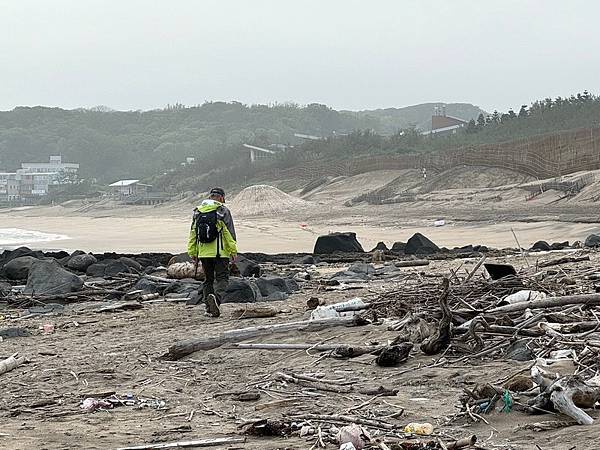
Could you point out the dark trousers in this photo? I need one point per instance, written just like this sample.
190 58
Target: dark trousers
216 272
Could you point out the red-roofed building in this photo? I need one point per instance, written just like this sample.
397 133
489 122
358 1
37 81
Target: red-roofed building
443 125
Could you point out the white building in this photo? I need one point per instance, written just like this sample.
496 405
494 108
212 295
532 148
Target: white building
125 188
54 166
9 186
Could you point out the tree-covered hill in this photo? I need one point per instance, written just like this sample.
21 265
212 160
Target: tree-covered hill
110 145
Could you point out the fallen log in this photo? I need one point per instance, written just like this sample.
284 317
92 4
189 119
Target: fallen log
197 443
327 386
254 312
342 350
10 363
549 302
186 347
565 260
413 263
121 306
347 419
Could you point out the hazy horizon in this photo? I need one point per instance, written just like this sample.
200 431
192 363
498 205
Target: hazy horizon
350 55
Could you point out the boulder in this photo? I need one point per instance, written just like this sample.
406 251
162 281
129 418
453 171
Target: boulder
181 287
181 258
57 255
48 277
247 267
380 246
398 247
540 246
81 262
268 286
338 242
560 245
420 245
148 286
307 260
18 268
9 255
131 263
593 240
78 252
96 270
115 267
361 268
240 290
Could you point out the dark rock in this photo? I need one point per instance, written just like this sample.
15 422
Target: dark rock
180 258
149 269
361 268
519 351
57 255
114 268
275 297
393 355
247 267
148 286
398 247
560 245
481 248
464 249
14 332
80 262
194 298
48 277
180 287
145 262
9 255
497 271
541 246
240 290
338 242
271 285
380 246
18 268
96 270
131 263
308 260
78 252
593 240
420 245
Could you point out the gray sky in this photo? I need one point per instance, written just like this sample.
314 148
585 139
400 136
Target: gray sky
143 54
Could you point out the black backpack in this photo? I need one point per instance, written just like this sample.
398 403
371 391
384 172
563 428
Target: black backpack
206 226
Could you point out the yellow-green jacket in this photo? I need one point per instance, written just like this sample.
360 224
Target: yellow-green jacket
227 238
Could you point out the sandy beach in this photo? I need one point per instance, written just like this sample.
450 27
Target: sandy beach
168 234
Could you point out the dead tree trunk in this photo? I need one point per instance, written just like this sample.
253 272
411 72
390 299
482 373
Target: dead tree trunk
440 339
183 348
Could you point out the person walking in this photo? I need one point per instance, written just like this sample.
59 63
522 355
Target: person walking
213 243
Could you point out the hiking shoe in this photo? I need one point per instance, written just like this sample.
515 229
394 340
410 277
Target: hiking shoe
212 306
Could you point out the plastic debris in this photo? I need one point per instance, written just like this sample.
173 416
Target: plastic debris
422 429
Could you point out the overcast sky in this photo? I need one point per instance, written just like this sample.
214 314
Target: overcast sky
144 54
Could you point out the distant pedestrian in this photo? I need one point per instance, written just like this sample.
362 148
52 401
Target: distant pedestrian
213 242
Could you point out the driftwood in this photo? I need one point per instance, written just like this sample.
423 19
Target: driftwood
461 443
476 268
440 339
120 306
196 443
10 363
566 395
565 260
183 348
394 355
253 312
347 419
339 350
412 263
549 302
332 386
